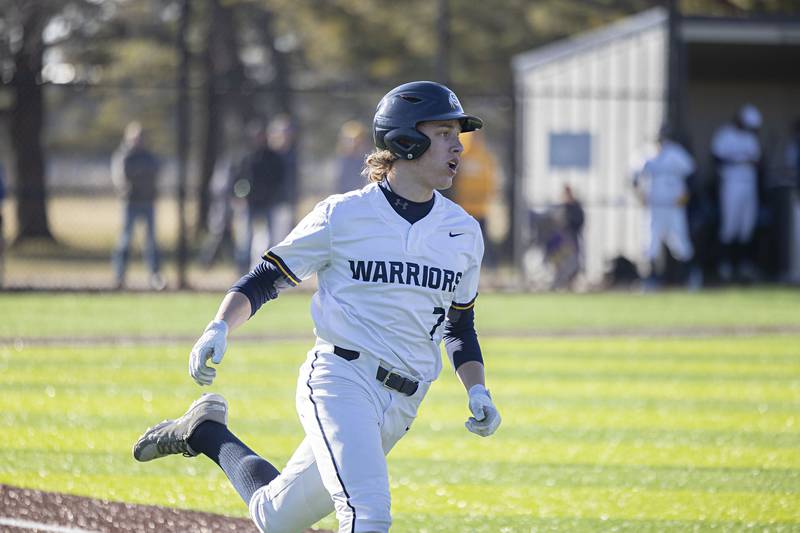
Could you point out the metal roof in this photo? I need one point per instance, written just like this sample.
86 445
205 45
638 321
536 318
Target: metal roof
774 30
771 31
585 41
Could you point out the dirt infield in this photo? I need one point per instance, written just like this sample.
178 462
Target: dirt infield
32 510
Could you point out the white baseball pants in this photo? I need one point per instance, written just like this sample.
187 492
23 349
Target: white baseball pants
351 422
668 225
738 202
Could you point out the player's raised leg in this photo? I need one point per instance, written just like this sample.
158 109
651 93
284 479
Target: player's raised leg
203 429
296 499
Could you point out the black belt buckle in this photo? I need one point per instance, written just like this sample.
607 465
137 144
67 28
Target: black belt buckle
393 380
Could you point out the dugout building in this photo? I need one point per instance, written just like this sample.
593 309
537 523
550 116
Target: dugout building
588 104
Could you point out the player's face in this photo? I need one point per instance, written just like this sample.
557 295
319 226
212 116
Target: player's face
437 167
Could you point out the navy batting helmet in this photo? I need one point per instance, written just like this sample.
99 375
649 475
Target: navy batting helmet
394 127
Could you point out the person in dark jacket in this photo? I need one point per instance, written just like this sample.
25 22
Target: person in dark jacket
134 171
260 189
2 231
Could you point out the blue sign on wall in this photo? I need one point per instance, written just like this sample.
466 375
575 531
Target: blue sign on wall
571 150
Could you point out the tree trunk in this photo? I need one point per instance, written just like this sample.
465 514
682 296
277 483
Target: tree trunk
27 122
280 61
183 128
443 42
285 102
224 77
211 110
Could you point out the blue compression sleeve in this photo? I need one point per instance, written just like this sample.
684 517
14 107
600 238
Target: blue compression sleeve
261 285
460 337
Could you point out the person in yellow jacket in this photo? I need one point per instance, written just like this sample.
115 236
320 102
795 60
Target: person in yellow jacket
475 187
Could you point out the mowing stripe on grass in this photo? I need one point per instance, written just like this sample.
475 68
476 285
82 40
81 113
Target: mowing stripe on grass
638 434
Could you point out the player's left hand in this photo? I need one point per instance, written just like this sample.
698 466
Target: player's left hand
485 419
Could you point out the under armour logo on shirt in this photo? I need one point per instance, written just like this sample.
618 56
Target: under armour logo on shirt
401 204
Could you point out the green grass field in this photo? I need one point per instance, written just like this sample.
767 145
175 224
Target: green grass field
692 426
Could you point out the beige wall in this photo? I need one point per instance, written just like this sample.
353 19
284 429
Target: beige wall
614 92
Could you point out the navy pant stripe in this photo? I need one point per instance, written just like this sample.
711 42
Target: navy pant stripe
328 444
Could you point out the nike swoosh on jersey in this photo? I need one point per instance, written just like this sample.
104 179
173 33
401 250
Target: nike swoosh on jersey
455 234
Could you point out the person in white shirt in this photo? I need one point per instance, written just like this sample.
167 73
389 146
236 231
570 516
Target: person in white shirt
661 185
737 154
397 267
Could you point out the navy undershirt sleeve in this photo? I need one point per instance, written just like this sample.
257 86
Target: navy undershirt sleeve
460 337
260 285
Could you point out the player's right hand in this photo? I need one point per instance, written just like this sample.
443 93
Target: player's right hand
210 345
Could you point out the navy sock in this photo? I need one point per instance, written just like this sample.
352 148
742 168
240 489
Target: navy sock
245 469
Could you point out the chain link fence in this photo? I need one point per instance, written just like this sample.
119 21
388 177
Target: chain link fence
84 125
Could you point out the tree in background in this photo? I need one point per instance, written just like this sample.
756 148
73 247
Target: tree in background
235 93
27 118
114 61
30 28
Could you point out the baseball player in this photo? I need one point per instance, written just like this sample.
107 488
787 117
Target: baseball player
397 267
737 153
661 184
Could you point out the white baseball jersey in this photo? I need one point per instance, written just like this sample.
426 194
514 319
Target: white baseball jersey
663 178
385 285
666 173
739 150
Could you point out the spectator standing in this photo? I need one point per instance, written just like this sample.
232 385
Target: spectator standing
775 235
476 186
737 155
134 172
572 218
792 155
283 139
792 166
2 228
351 150
702 213
661 186
261 184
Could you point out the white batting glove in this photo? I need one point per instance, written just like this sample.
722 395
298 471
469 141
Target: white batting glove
210 345
485 419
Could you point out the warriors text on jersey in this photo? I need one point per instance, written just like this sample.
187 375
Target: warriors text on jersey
385 285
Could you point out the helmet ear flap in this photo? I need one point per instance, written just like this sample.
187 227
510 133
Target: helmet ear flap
406 143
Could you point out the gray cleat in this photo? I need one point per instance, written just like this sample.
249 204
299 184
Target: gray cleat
171 436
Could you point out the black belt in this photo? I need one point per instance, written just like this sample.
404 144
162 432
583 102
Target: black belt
397 382
344 353
390 379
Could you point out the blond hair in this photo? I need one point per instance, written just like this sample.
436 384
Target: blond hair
377 165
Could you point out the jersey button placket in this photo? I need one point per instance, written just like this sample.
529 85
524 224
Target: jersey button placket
412 240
